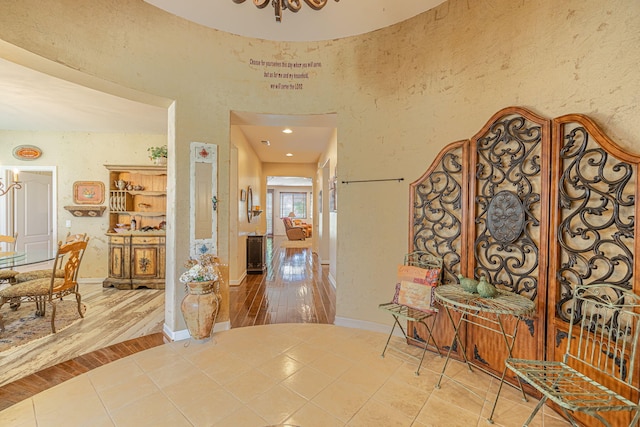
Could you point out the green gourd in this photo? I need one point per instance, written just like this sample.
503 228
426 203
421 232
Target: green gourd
468 284
486 289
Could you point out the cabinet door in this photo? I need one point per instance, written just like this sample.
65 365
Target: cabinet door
255 254
147 258
119 258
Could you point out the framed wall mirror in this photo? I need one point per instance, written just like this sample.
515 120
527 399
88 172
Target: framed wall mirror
204 199
249 204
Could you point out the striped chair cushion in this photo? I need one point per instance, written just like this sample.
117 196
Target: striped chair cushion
8 274
37 274
37 287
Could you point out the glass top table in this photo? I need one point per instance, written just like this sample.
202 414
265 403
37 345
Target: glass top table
23 258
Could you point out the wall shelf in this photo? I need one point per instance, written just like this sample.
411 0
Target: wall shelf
88 211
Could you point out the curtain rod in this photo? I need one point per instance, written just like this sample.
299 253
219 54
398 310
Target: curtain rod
374 180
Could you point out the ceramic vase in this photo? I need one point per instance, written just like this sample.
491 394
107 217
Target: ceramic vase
160 161
200 308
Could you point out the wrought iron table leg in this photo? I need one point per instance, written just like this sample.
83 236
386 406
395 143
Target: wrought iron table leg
509 346
453 341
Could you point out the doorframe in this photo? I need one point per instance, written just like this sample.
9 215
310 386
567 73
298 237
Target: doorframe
324 231
7 227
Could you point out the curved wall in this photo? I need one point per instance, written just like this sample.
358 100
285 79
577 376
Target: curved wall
400 95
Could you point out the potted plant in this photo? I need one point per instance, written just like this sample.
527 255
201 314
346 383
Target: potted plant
158 154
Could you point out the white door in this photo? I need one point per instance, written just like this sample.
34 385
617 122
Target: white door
34 211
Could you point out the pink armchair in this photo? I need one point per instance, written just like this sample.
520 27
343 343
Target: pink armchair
308 228
293 232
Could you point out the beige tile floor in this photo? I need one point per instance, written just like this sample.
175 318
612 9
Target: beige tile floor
301 374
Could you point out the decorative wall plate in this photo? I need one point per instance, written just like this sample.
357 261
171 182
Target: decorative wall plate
27 152
88 192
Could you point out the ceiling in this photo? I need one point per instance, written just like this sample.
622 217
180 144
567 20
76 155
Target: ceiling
308 140
33 101
336 20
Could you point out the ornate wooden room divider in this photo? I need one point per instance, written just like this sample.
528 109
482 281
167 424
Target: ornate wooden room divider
537 206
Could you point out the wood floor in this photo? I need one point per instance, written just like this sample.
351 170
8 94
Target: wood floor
294 289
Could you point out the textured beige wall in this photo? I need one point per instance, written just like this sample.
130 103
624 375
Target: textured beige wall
326 241
437 78
400 94
249 174
81 157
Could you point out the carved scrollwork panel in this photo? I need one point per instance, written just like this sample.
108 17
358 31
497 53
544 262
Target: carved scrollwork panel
596 198
437 200
507 203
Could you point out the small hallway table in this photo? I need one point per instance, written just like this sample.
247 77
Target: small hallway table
473 307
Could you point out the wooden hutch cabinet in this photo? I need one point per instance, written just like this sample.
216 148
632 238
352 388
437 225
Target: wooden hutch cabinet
137 195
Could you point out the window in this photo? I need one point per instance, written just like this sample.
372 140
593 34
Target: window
293 202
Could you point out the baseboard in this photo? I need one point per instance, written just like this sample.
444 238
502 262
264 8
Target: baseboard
332 280
365 325
183 334
239 281
91 281
180 335
222 326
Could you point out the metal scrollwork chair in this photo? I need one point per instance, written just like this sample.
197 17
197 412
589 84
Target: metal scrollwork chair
405 305
602 344
50 290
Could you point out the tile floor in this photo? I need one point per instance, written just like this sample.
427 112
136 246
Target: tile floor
300 374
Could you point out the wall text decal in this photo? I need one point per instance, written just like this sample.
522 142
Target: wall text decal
288 74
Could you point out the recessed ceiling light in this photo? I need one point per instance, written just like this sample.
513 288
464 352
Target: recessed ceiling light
289 155
287 130
266 142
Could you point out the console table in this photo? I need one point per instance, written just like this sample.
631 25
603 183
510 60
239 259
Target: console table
473 307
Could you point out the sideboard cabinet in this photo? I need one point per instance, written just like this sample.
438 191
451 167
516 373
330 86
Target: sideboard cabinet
137 195
136 261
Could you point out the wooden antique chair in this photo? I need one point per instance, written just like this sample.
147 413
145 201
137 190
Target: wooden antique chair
603 339
293 232
46 273
413 299
50 290
8 244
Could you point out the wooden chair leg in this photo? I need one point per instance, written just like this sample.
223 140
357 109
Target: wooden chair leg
78 300
1 318
53 316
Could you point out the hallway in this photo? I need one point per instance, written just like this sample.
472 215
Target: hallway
295 289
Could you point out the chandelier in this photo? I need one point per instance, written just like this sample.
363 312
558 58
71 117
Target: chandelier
14 185
292 5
